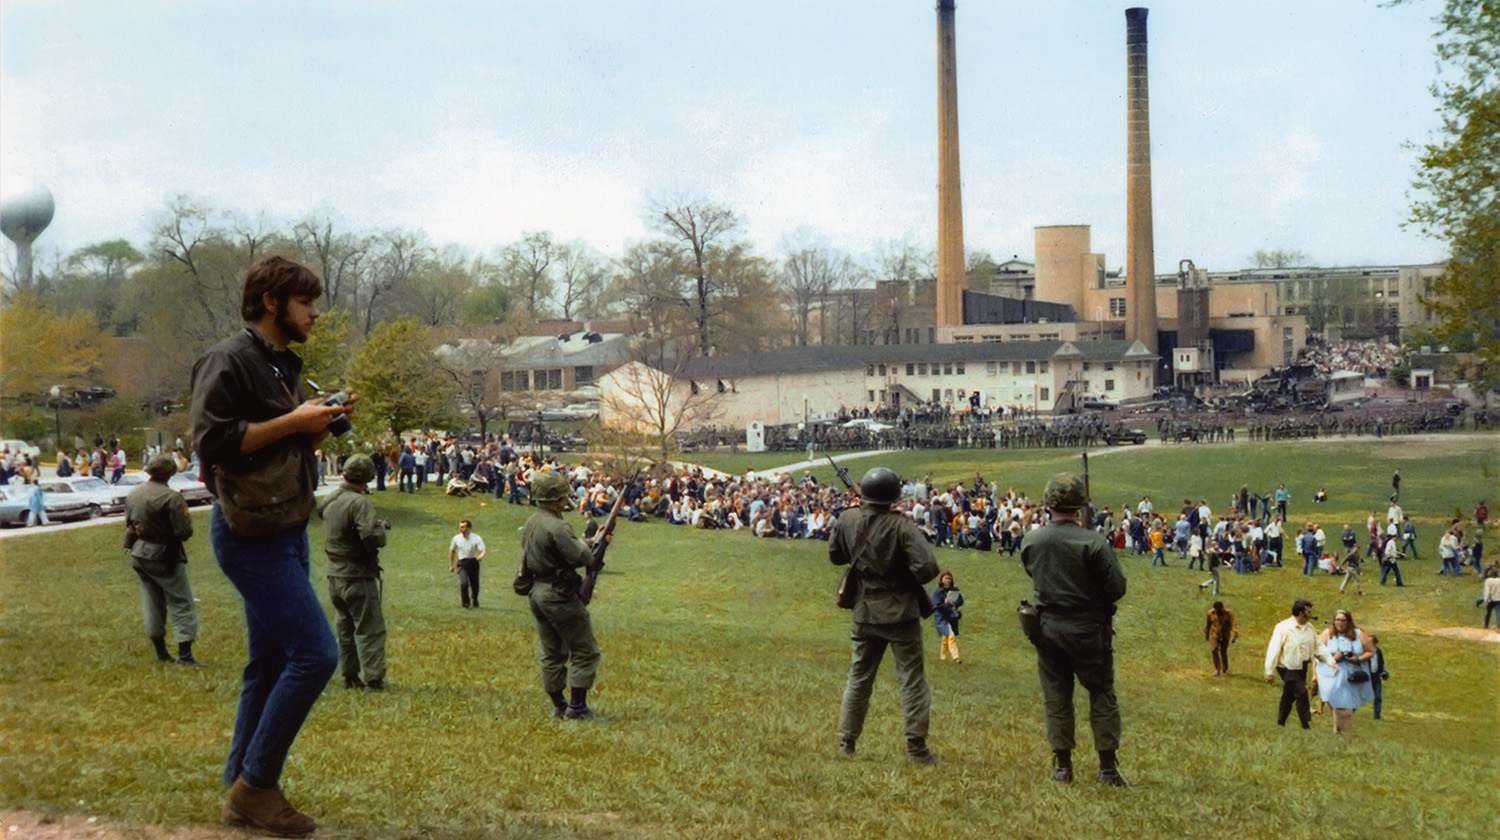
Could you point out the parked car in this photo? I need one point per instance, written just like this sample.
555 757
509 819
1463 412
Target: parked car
867 423
101 496
15 504
63 504
193 491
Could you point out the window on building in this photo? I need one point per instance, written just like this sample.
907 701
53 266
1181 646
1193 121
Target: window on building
882 370
870 371
1109 365
508 381
937 394
1042 367
583 375
948 395
1043 395
1030 367
1117 307
931 335
948 369
959 368
1109 384
722 389
871 397
1085 367
989 368
963 339
693 386
1049 337
911 369
882 396
921 368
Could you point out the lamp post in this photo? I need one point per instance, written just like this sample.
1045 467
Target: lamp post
56 394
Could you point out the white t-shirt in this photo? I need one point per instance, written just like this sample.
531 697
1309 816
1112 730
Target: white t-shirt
467 548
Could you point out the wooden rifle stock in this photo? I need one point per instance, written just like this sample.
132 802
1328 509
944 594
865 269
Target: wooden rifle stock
601 542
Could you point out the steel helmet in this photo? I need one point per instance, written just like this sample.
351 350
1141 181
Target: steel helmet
161 465
359 469
549 486
1065 492
881 486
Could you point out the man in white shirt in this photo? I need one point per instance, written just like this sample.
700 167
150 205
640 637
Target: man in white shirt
465 552
1293 644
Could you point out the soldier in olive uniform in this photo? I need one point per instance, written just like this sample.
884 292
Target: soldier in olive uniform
551 551
891 560
1077 581
156 526
352 538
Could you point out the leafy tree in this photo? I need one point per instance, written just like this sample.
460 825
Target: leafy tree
43 348
400 382
1458 182
94 278
325 354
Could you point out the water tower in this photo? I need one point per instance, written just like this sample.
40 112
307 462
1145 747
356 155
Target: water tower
23 217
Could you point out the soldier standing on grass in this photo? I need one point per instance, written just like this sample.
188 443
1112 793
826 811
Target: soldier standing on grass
551 551
156 526
891 560
352 538
1077 580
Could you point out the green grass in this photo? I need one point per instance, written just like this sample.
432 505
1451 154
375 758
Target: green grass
724 662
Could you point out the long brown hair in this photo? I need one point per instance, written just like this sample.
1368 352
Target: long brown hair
1350 632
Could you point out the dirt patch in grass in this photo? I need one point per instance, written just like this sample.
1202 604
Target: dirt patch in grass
1478 634
32 826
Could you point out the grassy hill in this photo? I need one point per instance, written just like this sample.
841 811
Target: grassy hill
724 662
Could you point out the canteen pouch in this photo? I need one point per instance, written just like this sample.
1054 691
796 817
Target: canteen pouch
1031 620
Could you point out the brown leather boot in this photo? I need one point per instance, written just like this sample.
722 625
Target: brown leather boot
265 809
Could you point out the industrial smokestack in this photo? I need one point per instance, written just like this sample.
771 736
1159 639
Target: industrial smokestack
950 251
1140 245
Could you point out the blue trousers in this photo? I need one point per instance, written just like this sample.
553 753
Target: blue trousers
1386 569
293 652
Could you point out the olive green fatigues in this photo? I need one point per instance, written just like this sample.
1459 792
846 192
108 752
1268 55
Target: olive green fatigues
158 516
1077 581
892 563
569 653
352 538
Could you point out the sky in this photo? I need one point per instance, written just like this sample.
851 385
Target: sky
1274 125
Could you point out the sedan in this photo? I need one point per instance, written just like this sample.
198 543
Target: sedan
63 503
103 496
15 504
193 491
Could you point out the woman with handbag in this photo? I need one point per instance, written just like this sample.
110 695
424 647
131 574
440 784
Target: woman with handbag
1345 685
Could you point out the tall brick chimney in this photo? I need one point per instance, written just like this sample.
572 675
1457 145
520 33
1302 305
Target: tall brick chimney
950 245
1140 247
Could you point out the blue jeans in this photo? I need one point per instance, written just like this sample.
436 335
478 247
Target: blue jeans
1310 564
293 652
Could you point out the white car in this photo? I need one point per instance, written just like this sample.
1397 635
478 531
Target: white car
867 423
193 491
63 503
101 496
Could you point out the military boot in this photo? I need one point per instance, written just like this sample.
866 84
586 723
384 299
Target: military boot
918 753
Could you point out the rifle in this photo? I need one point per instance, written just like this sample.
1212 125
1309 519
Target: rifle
600 542
843 474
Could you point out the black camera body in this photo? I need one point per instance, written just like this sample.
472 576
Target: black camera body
341 424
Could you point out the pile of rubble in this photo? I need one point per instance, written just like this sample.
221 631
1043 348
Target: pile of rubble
1372 358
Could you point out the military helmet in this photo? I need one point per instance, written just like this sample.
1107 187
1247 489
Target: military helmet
881 486
1065 491
549 486
359 469
161 465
